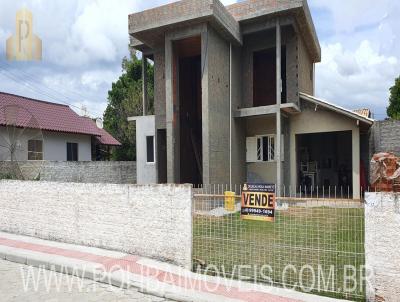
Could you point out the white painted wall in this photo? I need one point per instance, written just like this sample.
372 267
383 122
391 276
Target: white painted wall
146 172
152 221
54 144
382 238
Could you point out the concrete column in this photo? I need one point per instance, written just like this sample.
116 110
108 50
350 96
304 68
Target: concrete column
169 111
356 162
144 83
230 116
278 112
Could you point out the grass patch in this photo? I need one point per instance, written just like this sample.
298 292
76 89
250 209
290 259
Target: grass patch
317 237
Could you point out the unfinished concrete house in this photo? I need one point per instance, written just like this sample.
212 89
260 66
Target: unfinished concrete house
234 100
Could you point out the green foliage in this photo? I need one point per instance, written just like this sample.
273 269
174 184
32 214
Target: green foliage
7 176
125 100
393 111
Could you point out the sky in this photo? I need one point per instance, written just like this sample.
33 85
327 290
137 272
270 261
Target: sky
84 42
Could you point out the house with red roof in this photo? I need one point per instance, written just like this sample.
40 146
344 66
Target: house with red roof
32 129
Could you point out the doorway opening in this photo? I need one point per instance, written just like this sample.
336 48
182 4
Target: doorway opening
264 76
188 58
324 162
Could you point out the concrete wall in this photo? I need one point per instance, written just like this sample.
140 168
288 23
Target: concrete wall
306 76
54 144
385 136
83 172
264 40
238 125
216 110
146 172
151 221
382 237
311 121
159 87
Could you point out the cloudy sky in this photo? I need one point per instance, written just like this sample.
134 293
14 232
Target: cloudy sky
84 42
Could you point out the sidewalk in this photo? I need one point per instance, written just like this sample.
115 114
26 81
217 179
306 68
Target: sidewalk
150 276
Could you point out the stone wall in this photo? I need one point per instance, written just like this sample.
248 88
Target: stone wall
84 172
382 237
385 136
151 221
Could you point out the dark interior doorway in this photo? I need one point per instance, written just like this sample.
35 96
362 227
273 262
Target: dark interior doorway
324 160
264 77
190 109
162 155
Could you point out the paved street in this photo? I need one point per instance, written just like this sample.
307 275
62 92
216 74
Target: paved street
24 283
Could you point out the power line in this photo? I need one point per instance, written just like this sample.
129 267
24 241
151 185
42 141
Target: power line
48 92
34 89
38 82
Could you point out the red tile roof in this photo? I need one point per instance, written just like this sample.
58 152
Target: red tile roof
30 113
104 138
364 112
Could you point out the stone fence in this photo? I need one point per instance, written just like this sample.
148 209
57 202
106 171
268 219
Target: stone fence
382 239
151 221
117 172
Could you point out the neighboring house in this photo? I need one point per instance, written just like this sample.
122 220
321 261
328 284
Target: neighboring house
234 100
38 130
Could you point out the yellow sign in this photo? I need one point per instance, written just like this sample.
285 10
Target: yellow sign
229 201
258 202
24 45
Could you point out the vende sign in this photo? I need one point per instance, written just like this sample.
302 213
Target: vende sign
258 202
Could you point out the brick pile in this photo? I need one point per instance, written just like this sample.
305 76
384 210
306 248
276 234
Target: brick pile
385 172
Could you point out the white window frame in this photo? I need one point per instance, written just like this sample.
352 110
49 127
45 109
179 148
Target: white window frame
255 154
260 151
34 151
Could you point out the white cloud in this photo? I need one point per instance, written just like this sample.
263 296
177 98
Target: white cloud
348 15
360 52
354 79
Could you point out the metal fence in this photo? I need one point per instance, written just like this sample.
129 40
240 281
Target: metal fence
315 244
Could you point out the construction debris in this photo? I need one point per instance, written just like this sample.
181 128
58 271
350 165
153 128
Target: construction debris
385 172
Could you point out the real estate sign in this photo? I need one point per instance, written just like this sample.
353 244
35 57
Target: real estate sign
258 202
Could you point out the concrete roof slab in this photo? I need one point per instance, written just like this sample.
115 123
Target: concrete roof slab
150 26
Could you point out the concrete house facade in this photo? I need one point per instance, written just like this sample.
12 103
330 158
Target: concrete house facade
234 100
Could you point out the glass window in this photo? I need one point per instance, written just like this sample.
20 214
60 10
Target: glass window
35 149
72 152
266 148
150 148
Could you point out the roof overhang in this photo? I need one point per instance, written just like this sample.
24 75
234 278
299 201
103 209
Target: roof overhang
288 108
148 27
248 13
337 109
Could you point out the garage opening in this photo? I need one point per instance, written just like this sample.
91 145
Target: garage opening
324 162
264 77
188 58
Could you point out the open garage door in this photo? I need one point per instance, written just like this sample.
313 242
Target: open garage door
324 161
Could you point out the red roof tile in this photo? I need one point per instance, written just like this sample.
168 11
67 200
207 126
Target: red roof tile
30 113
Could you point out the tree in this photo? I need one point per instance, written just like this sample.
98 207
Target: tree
125 100
393 111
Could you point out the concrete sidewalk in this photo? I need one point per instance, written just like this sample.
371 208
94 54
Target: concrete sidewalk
150 276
